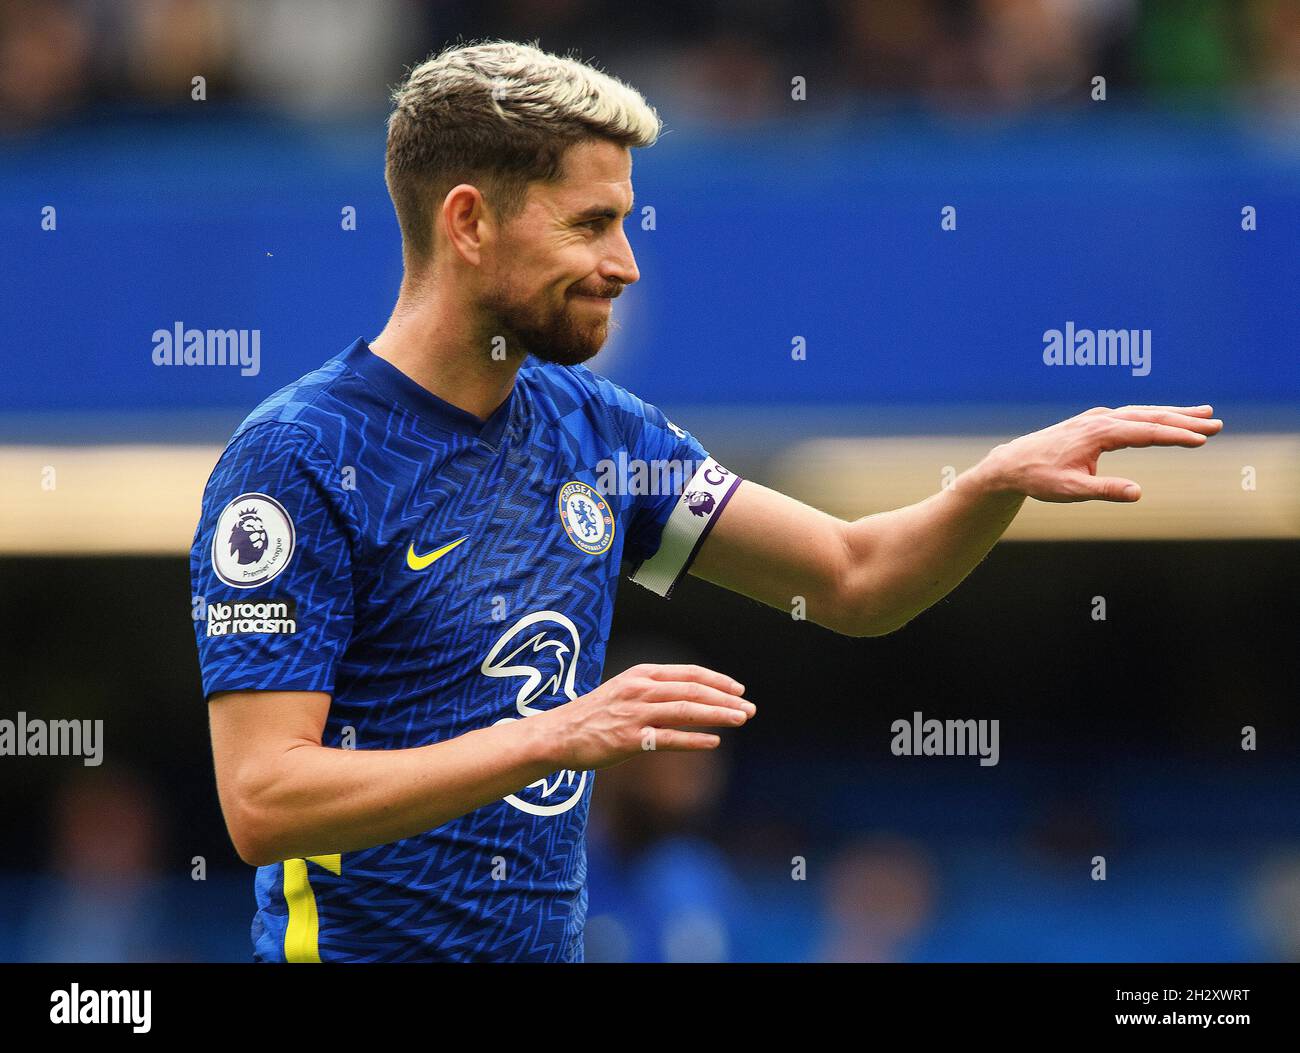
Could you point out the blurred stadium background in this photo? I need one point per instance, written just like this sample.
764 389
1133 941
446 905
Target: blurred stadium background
774 219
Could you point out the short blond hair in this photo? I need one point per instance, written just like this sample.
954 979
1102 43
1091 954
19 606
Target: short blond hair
499 115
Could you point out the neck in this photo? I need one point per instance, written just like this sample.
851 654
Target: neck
444 349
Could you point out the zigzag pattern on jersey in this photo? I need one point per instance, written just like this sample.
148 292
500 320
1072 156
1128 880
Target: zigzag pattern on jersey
407 665
645 434
519 547
274 459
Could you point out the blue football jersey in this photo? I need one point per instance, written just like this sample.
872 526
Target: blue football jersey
435 574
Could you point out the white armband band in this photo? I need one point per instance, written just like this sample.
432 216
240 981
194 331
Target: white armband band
689 523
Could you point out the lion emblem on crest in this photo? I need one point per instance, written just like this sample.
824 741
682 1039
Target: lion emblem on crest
248 537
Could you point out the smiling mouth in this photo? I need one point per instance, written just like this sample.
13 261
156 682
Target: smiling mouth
615 291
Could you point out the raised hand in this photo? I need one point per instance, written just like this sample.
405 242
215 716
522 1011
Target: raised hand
1059 463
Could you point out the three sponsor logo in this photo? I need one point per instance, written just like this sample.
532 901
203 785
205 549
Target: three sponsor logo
541 650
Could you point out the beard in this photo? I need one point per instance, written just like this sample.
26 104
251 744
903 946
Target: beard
535 327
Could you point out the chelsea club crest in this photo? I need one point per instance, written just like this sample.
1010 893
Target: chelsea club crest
586 518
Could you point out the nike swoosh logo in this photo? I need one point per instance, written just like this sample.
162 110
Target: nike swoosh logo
421 562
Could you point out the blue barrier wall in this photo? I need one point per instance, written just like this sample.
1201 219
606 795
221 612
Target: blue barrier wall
829 232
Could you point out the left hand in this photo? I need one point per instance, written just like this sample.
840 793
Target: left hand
1059 463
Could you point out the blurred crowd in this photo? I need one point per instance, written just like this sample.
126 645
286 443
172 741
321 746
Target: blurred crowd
728 60
808 848
670 881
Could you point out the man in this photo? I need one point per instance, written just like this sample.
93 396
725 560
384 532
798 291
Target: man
409 562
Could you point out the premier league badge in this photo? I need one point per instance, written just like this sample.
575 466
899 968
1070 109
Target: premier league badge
253 541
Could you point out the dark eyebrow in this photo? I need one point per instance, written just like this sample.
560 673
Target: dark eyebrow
601 212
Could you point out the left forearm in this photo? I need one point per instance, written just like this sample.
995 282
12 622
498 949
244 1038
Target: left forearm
905 560
872 576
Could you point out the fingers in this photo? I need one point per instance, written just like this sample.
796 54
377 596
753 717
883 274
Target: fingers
677 698
1140 434
660 739
1109 488
669 691
693 714
697 673
1189 411
1174 418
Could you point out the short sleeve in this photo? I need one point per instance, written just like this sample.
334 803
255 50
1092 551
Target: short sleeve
688 492
271 566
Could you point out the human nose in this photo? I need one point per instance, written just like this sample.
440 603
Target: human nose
620 264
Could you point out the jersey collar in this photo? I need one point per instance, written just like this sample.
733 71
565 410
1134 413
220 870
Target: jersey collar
396 385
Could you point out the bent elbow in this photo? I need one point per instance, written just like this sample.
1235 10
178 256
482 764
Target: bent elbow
253 845
856 595
857 619
256 840
862 622
251 853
